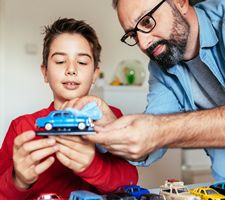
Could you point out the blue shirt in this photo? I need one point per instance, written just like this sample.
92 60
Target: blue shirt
172 92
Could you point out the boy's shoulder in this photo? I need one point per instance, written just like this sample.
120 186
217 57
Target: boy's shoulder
30 119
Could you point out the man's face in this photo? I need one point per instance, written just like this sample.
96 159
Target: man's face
166 43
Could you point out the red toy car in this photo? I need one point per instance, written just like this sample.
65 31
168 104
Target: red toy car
48 196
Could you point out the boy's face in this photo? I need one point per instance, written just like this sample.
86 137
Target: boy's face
70 71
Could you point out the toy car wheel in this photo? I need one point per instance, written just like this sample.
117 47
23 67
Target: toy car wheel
48 126
81 126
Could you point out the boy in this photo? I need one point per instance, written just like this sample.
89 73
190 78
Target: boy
31 165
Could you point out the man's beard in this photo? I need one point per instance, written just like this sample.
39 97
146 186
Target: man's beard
175 46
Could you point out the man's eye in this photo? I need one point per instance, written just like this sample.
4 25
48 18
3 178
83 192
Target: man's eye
132 35
146 22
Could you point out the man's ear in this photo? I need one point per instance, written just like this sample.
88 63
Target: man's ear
96 74
182 6
44 72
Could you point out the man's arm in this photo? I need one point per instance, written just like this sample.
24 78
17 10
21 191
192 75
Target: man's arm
194 129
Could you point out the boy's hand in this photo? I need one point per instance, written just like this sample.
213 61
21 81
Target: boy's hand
27 158
75 153
78 103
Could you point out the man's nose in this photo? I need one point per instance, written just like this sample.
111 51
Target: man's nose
144 40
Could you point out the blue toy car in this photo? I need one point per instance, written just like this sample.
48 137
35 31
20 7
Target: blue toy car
84 195
64 120
134 190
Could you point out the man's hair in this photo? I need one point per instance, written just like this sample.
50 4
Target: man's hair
114 3
192 2
70 25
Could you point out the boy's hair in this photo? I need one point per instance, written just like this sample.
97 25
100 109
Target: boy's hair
70 25
114 3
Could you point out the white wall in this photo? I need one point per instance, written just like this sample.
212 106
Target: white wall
24 90
1 68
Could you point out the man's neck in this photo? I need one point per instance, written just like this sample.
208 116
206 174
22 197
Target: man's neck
193 43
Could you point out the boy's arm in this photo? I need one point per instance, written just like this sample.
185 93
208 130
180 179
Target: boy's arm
108 172
8 189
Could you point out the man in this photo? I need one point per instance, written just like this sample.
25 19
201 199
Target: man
187 71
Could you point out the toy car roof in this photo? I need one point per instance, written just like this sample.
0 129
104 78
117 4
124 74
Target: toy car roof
169 184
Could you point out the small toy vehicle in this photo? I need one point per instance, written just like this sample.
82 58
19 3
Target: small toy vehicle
64 120
118 196
176 190
207 193
152 197
84 195
219 187
49 196
133 190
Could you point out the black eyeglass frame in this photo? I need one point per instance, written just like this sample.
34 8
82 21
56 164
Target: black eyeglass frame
134 31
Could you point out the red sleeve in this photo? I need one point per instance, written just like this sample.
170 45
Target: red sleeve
8 189
108 172
117 112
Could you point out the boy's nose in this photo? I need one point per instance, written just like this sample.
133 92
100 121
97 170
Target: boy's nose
71 70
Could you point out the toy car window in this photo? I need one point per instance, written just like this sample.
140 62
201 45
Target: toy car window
57 115
181 190
219 185
211 192
174 191
67 115
202 192
166 190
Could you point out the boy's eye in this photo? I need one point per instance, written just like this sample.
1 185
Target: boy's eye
60 62
82 63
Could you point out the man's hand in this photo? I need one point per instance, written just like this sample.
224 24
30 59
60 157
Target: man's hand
28 158
79 103
132 137
74 152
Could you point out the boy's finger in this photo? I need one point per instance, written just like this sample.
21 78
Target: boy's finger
40 168
36 156
24 137
35 145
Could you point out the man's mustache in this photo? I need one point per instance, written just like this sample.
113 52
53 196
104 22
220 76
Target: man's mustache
150 49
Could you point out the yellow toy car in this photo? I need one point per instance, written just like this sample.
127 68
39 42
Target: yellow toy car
207 194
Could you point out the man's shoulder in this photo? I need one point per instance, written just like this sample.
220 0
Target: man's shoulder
214 9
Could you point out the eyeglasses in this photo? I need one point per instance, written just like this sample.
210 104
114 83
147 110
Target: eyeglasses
145 25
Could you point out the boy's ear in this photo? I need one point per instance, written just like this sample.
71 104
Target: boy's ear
44 72
96 74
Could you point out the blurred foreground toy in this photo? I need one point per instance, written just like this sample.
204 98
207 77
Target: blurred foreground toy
84 195
152 197
118 196
219 187
48 196
207 193
134 190
173 189
69 121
